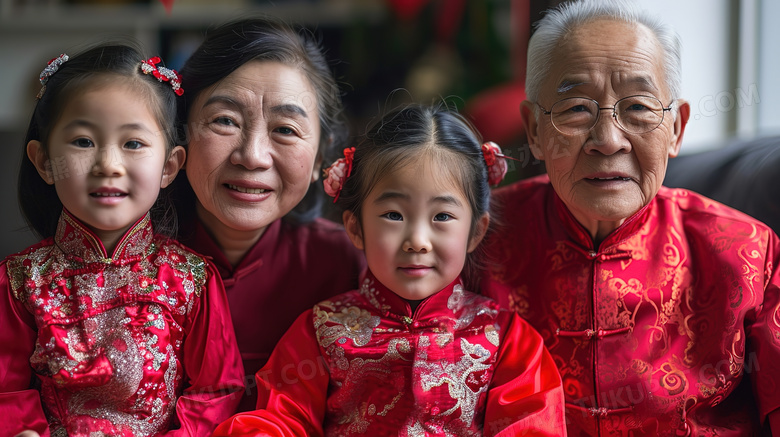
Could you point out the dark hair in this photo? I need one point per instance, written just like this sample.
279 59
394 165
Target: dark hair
38 200
416 132
232 45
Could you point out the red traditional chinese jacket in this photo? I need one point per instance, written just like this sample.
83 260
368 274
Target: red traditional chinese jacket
660 330
132 345
362 363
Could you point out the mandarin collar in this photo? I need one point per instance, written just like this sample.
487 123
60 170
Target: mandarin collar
445 302
581 236
81 244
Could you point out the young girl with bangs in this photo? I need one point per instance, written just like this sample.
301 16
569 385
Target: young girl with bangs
108 326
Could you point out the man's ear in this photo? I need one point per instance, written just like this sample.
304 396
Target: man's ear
479 232
528 115
171 168
683 114
37 155
352 226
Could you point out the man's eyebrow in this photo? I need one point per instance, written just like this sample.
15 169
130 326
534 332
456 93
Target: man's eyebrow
568 85
289 109
644 81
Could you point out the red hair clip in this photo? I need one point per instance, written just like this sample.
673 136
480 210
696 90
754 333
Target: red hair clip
163 74
495 161
50 69
336 175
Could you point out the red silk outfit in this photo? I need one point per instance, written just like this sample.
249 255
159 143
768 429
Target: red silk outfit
132 345
288 270
362 363
658 331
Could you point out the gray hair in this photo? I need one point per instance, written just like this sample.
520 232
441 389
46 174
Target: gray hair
559 22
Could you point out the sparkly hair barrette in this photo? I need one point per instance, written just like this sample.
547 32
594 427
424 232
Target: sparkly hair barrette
496 162
50 69
163 74
336 175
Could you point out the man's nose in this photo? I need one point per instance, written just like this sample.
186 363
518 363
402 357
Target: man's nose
607 137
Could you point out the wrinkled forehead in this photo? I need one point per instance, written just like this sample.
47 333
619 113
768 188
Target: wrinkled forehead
607 56
262 81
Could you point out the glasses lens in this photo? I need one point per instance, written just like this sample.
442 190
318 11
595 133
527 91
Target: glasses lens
639 114
575 115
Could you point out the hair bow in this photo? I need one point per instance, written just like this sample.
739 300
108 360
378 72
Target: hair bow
496 164
337 174
50 69
163 74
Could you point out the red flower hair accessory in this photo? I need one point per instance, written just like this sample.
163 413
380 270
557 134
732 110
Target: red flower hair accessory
336 175
495 161
163 74
50 69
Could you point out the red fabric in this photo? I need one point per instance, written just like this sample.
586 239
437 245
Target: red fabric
362 364
661 329
288 270
137 344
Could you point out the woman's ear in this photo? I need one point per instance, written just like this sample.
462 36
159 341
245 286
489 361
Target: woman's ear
37 155
171 168
479 232
315 172
352 226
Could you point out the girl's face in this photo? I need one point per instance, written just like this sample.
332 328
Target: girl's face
107 157
253 146
415 230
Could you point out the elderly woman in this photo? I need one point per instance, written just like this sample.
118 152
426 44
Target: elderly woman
659 306
261 110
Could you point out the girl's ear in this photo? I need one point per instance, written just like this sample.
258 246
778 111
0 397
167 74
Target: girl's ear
352 227
39 159
171 168
479 232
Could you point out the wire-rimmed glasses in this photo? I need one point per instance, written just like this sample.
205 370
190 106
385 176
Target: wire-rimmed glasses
633 114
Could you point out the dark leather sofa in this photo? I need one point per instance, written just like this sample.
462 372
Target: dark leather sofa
745 174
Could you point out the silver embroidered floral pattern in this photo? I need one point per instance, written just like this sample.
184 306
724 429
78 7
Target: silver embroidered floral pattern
110 330
353 323
429 377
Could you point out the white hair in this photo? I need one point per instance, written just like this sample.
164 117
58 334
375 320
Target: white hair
559 22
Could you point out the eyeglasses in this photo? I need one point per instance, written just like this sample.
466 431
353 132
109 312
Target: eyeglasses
633 114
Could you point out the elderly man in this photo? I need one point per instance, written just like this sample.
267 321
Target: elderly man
660 307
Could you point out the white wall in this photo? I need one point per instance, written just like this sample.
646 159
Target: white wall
708 79
769 70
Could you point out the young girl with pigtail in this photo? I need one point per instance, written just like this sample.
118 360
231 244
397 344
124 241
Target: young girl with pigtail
411 352
109 327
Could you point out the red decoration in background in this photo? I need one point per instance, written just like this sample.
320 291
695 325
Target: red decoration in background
406 9
168 5
495 112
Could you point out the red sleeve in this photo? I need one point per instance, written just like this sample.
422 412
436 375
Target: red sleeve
762 361
526 395
212 364
292 389
17 337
